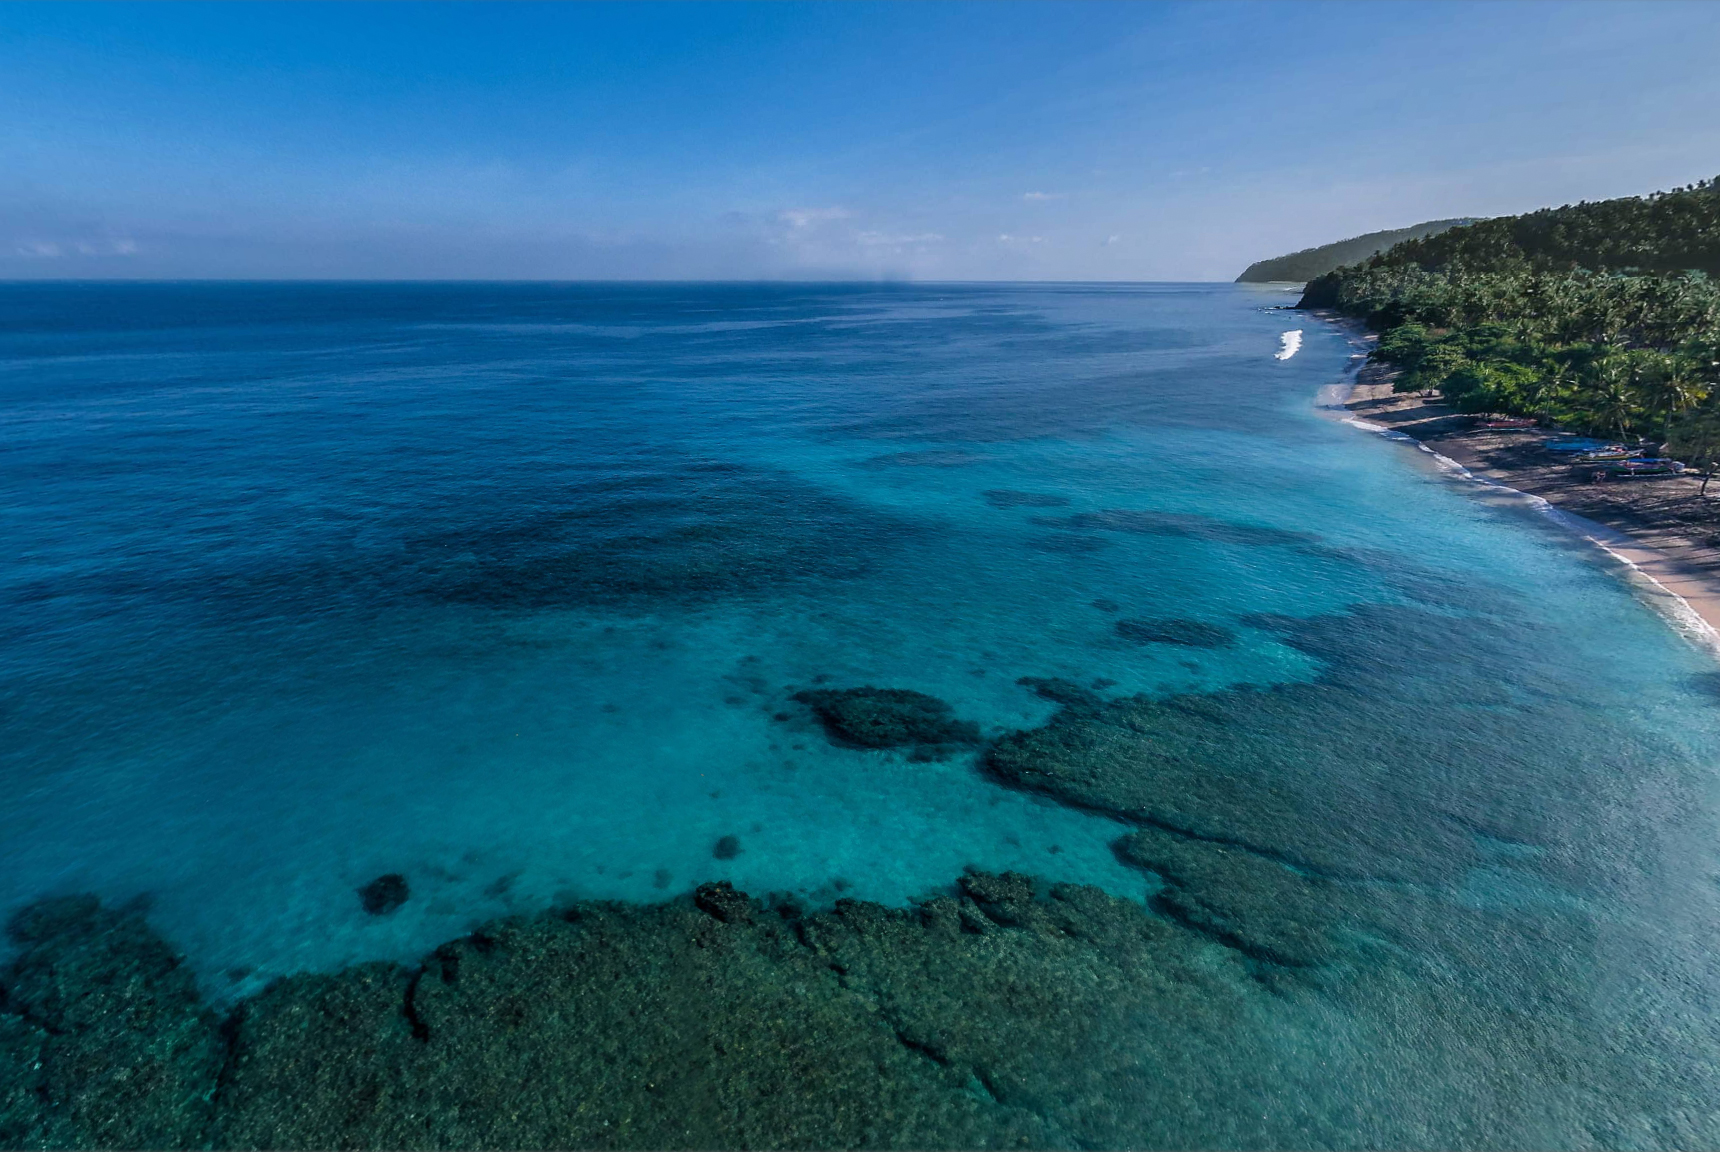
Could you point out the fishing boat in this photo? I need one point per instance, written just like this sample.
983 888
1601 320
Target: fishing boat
1509 422
1651 466
1610 452
1574 444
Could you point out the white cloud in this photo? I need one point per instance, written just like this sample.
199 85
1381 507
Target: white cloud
873 239
1042 195
54 249
1006 238
806 217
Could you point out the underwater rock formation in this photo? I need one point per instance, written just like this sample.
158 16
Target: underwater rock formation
1189 633
384 894
1004 1016
886 718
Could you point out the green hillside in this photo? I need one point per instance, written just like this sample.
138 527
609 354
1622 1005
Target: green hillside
1311 262
1599 316
1675 231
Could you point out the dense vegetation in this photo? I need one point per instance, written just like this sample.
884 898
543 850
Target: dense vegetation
1598 317
1311 262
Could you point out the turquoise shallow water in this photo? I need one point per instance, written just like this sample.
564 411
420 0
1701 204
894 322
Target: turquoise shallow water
506 588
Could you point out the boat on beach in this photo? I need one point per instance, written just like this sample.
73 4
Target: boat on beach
1610 452
1649 466
1575 444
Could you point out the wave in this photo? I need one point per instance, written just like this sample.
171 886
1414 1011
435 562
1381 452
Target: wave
1289 344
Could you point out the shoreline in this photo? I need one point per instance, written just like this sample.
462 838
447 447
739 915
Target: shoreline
1660 532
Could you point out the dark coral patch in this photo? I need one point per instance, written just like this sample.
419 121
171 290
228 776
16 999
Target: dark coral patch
1190 633
722 901
1006 498
727 848
384 894
927 458
1069 545
886 717
1189 525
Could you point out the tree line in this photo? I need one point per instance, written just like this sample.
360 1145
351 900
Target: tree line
1601 318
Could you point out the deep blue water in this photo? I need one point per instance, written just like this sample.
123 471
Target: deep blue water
504 587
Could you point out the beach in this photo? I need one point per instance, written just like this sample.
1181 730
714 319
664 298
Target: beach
1664 528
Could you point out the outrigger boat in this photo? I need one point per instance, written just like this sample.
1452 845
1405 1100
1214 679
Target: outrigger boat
1651 466
1509 422
1575 444
1610 452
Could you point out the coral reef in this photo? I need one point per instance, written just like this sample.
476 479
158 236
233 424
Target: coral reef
1189 633
105 1040
886 718
1182 524
1313 965
1071 544
1002 1016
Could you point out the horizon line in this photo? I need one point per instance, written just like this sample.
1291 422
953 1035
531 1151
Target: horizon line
35 280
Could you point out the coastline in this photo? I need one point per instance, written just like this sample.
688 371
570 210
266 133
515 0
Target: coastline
1661 532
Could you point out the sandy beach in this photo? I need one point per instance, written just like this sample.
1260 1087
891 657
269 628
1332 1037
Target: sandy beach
1663 527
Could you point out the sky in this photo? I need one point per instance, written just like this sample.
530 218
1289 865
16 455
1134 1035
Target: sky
933 141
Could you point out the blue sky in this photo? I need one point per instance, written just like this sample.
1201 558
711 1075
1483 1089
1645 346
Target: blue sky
941 141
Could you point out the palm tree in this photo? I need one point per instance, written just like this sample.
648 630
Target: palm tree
1612 400
1670 386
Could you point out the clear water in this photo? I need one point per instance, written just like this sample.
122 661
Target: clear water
504 587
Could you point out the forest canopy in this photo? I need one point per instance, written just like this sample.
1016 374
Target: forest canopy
1601 317
1301 267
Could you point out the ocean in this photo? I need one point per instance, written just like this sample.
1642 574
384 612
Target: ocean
509 589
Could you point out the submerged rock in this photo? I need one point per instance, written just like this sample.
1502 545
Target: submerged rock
384 894
1190 633
727 848
886 717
